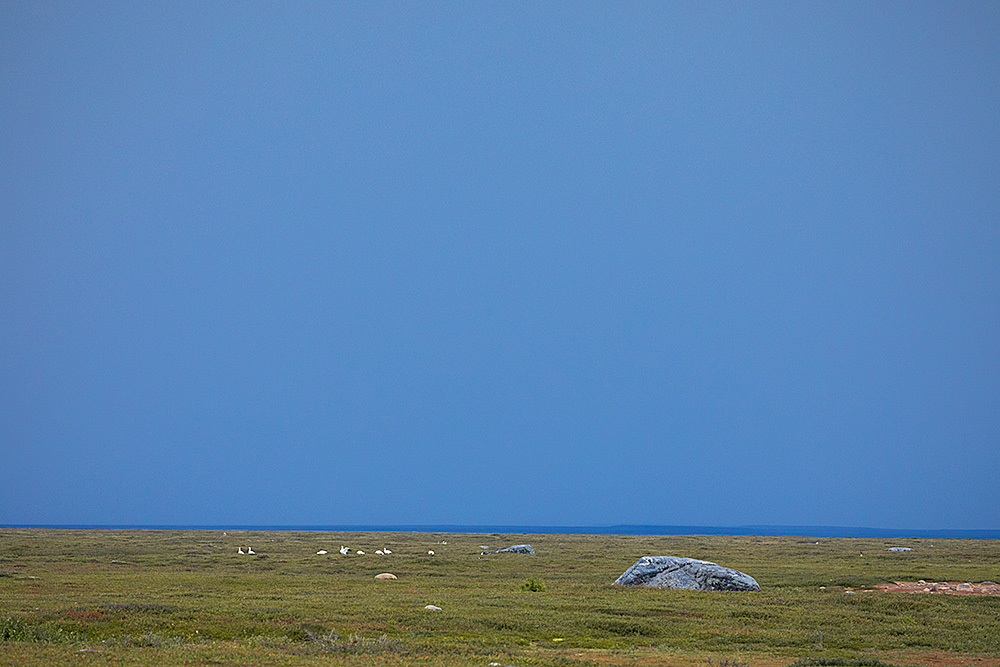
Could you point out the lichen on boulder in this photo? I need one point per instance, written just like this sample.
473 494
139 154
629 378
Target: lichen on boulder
685 574
515 549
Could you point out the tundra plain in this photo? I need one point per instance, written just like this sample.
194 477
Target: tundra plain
187 597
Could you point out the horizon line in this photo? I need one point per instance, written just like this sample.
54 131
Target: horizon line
607 529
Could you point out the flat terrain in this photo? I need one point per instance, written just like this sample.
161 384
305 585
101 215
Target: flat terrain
164 597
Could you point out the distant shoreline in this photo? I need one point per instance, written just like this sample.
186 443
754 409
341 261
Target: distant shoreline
757 530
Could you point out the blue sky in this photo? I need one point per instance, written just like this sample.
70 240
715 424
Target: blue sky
688 263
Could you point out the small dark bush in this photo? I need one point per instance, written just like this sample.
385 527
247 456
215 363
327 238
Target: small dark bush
15 629
532 584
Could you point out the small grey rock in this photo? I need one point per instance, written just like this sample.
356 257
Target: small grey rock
899 549
515 549
685 574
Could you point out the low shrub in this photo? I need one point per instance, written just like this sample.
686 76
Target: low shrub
532 584
16 629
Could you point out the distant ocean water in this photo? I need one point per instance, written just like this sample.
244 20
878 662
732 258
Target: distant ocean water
804 531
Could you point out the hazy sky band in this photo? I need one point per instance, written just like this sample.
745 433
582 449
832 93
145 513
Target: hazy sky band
371 263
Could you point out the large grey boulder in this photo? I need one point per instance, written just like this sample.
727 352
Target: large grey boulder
687 574
515 549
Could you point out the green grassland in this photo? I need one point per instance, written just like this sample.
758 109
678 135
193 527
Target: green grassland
163 597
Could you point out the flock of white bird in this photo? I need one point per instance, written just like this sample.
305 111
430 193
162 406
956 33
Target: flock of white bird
343 550
379 552
346 550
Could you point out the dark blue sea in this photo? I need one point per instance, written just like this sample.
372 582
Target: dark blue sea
804 531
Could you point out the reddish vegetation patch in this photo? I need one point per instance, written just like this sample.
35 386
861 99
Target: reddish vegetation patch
84 615
284 621
941 659
945 587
